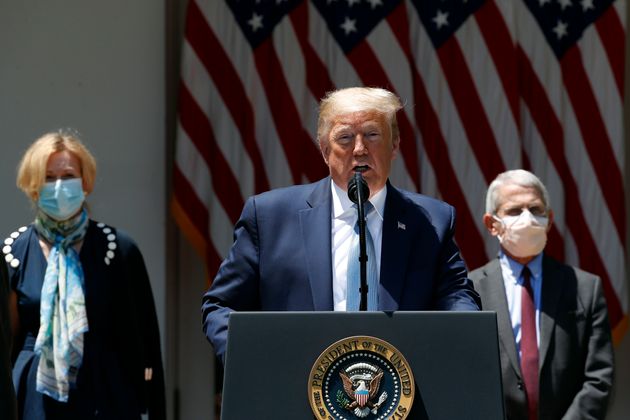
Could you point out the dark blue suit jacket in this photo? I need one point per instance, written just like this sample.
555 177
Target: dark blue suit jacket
281 258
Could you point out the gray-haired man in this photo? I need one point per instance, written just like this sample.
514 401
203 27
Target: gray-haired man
556 350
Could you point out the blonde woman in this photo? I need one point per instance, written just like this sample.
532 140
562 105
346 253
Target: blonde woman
85 336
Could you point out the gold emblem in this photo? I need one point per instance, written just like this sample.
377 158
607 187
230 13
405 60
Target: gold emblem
361 377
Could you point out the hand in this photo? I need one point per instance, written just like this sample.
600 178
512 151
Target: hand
148 374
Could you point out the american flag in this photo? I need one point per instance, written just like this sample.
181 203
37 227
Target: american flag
488 86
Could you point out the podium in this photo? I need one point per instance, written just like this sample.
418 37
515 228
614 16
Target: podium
454 358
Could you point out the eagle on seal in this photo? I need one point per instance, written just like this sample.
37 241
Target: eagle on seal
360 392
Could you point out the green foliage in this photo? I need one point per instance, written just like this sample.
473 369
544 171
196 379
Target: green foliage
342 400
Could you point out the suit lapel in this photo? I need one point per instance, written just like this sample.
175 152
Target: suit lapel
550 295
494 300
394 249
315 228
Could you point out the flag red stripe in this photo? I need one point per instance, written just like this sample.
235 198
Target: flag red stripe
550 129
375 75
220 68
317 77
198 214
595 137
612 34
498 39
467 236
302 153
555 244
195 209
198 128
470 109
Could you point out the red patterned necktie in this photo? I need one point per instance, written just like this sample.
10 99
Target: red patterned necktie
529 345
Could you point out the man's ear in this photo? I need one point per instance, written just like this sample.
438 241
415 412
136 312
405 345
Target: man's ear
491 224
323 148
395 147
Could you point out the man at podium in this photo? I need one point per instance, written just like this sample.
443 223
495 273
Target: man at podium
295 248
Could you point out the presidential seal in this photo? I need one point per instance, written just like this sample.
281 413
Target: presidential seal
361 378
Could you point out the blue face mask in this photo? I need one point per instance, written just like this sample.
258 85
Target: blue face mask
61 199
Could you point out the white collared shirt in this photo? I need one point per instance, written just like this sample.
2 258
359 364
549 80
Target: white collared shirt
513 281
344 217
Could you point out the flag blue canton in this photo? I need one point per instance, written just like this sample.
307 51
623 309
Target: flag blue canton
258 18
442 18
564 21
350 21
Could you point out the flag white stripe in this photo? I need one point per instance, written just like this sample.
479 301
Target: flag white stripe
341 72
466 167
192 166
488 82
226 133
394 62
620 6
235 45
292 59
510 10
609 101
544 168
541 57
598 218
194 169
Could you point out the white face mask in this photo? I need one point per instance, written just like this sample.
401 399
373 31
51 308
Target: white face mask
524 235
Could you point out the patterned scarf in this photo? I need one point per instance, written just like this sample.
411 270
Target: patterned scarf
63 319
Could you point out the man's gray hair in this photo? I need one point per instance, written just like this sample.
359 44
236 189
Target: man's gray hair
518 177
357 99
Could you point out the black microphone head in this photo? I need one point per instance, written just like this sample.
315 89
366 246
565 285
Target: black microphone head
356 185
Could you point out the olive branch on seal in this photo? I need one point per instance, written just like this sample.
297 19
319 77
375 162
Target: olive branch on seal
342 400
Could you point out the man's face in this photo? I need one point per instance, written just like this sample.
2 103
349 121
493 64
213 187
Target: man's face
360 141
513 199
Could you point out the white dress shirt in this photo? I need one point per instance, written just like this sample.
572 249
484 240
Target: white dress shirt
513 281
344 217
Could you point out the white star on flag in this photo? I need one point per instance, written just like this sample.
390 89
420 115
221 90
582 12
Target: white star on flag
587 4
349 25
255 22
441 19
560 29
565 3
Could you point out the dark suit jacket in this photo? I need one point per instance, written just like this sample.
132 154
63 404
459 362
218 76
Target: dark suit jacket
7 396
575 354
281 258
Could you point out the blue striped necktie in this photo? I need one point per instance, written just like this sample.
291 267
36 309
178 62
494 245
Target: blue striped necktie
353 295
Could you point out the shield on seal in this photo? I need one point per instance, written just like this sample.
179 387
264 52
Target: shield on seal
361 396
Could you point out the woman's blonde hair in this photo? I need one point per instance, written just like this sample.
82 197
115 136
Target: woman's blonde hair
32 168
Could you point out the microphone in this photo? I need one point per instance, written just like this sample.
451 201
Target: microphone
358 188
359 192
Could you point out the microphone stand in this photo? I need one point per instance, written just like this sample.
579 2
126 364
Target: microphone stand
360 200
